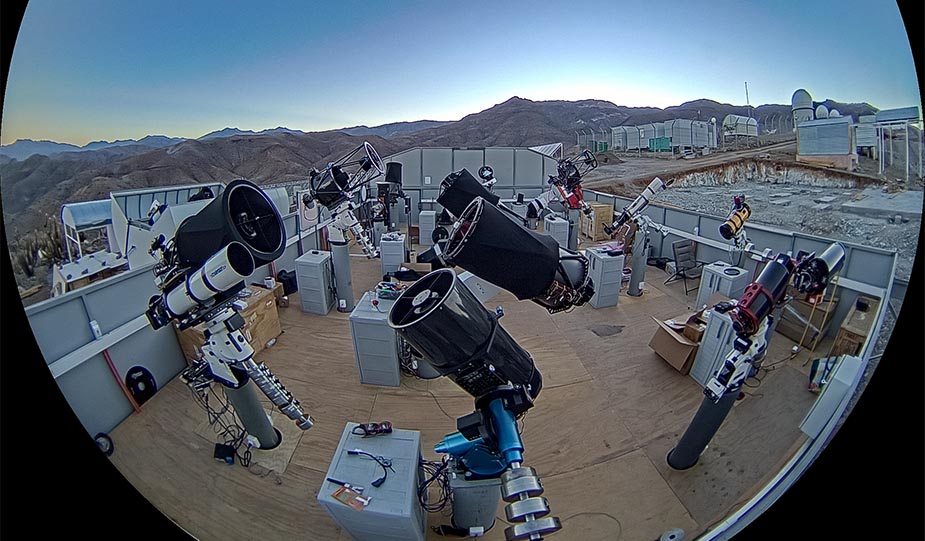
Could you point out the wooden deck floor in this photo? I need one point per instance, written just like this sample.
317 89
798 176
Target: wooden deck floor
609 412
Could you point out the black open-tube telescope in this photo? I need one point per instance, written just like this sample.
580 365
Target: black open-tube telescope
337 184
571 170
459 338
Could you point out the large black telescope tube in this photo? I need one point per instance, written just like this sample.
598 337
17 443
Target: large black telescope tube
762 295
459 188
489 244
243 213
459 338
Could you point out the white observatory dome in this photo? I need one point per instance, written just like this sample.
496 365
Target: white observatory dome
801 107
801 100
822 111
834 113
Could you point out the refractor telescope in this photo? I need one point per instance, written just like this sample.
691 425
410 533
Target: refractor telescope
740 213
635 208
751 315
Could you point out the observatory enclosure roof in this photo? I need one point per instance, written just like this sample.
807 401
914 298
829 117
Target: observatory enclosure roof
553 150
87 214
732 120
903 113
91 264
135 203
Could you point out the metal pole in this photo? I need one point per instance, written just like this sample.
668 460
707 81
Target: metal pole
890 136
340 256
638 260
908 146
256 422
574 217
703 427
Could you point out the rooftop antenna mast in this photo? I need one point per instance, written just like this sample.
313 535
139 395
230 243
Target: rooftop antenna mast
747 104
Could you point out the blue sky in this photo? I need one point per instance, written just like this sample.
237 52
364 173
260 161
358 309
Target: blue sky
92 70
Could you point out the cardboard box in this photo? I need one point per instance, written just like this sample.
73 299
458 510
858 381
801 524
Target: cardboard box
672 346
693 331
261 323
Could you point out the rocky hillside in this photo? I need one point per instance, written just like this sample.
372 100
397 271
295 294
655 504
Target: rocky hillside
35 187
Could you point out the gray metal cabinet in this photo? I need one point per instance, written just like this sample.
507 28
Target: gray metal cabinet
607 275
721 278
391 253
557 228
714 346
427 221
374 342
314 277
394 512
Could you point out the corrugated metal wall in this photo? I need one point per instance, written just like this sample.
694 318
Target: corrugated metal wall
61 326
516 169
830 138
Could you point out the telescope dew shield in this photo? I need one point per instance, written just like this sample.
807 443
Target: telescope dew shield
243 213
489 244
459 338
762 295
813 275
219 273
734 223
459 189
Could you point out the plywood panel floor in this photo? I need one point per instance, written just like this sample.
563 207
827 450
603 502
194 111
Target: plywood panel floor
609 412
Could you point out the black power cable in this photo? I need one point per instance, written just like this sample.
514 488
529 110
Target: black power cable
436 472
386 464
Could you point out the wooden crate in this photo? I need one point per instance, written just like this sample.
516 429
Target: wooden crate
592 226
261 323
855 329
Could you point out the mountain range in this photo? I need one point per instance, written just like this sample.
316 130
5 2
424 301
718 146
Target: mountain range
36 185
